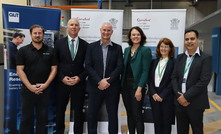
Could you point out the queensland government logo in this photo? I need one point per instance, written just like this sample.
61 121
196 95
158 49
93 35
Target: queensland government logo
174 24
13 17
113 22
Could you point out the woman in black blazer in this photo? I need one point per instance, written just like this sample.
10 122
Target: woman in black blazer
137 59
160 87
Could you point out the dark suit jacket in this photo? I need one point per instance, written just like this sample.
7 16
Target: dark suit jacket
11 53
165 89
94 66
198 78
66 66
140 64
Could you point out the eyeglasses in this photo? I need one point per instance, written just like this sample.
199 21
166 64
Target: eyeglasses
192 38
165 46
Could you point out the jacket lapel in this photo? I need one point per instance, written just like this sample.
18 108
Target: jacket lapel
100 53
182 62
195 60
155 67
66 47
109 53
126 54
79 47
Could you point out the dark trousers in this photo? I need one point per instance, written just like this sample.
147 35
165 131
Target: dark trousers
30 104
188 116
111 98
76 93
163 115
133 108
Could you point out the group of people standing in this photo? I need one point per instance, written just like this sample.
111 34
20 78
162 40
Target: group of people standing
183 81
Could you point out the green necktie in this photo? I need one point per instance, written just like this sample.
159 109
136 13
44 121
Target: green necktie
72 49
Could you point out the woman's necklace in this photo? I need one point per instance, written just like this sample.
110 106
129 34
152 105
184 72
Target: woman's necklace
132 51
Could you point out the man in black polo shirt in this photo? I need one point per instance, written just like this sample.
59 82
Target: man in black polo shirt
36 67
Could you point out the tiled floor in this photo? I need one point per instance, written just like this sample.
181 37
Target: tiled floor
212 116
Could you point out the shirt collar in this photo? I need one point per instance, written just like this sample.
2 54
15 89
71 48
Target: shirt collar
43 47
69 38
197 52
109 44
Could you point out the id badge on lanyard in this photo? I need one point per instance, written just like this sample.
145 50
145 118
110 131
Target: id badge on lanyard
184 85
186 70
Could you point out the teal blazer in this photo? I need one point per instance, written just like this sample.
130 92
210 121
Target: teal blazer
140 64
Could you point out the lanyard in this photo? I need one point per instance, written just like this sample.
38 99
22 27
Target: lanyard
160 72
187 66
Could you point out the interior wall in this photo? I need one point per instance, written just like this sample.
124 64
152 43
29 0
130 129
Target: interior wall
207 43
64 13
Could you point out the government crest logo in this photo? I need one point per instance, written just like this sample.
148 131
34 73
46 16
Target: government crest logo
174 24
113 22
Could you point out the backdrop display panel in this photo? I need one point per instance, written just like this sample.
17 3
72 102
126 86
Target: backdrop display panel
158 24
19 19
91 21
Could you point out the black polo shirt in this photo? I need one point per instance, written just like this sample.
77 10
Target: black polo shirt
37 63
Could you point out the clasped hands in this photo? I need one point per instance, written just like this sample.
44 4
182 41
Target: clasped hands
70 81
38 88
103 84
182 100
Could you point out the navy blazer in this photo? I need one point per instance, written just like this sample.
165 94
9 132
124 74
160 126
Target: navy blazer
198 78
165 89
67 66
94 65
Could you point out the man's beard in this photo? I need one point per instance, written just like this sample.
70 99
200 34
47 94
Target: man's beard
37 41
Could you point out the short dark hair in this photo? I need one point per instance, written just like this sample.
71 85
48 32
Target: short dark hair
37 26
168 42
143 36
192 30
20 35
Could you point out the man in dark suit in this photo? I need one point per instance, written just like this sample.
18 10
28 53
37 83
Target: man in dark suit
71 52
12 50
191 75
104 64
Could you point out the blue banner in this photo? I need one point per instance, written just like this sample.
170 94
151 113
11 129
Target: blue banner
19 19
23 17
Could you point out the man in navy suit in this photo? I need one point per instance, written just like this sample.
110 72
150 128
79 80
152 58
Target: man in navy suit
104 64
71 52
12 50
191 75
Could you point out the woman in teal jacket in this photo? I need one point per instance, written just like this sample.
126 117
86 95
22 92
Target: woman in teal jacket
137 60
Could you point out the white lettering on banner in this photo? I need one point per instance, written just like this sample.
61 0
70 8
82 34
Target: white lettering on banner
13 74
14 79
13 17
